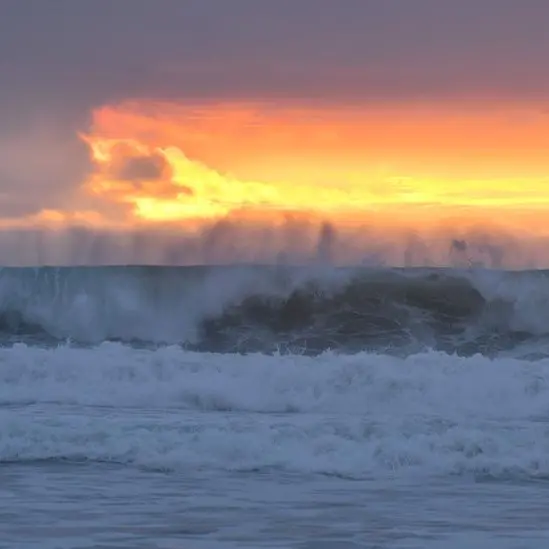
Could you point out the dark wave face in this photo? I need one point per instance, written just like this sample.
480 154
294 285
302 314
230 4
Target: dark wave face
268 309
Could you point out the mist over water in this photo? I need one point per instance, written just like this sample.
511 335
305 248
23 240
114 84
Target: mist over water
327 288
292 242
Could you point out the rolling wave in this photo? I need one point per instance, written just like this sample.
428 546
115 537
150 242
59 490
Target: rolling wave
359 416
270 309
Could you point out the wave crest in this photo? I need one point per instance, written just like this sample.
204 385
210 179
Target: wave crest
261 309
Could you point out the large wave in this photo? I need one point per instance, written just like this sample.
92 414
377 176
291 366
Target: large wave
271 309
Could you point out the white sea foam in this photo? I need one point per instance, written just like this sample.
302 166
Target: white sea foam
171 305
356 415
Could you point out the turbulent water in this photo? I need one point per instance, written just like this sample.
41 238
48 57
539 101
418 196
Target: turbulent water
273 407
279 310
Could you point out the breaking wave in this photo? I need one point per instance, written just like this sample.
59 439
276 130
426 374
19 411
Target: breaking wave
357 416
280 309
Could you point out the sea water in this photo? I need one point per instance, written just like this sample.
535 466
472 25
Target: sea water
185 432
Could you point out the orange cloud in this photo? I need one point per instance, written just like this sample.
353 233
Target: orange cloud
405 166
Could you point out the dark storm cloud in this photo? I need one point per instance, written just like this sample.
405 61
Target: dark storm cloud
100 50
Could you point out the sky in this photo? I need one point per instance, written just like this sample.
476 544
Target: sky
424 119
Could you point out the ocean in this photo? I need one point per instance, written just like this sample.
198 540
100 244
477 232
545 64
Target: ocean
273 407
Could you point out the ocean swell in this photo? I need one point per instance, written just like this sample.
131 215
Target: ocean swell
267 309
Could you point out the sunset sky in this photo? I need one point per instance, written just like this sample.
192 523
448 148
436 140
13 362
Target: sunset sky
424 119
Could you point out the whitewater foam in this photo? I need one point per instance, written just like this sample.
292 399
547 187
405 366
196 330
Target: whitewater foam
355 416
295 310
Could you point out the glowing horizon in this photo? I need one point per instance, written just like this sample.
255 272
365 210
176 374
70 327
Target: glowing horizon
396 173
343 164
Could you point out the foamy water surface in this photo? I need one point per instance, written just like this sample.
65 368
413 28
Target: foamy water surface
114 446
